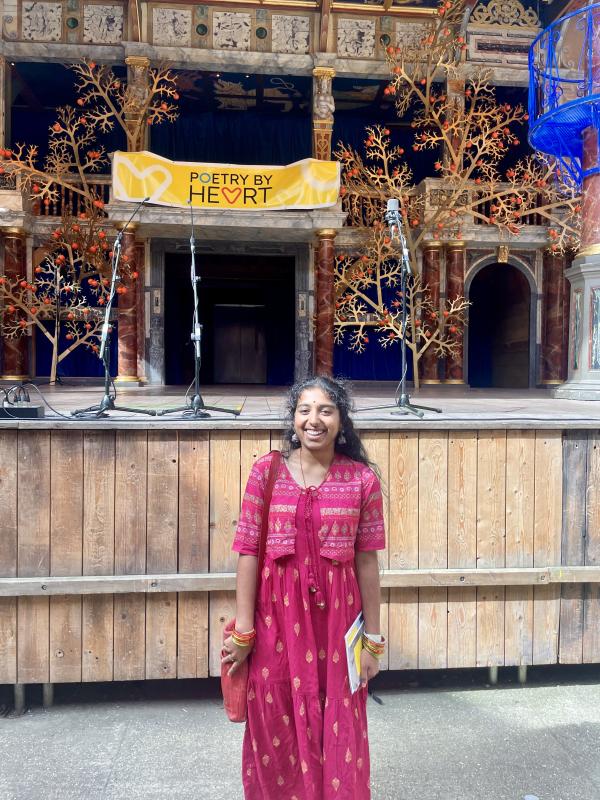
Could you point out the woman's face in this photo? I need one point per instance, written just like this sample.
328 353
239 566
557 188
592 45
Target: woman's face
316 420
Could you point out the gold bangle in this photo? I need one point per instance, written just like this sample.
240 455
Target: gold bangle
376 649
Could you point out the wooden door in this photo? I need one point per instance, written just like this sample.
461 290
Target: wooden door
240 354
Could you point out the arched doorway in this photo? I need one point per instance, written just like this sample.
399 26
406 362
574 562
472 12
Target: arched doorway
500 328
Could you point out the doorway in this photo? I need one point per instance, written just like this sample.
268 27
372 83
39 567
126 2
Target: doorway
246 309
499 333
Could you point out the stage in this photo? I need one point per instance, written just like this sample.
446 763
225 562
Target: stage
115 554
262 407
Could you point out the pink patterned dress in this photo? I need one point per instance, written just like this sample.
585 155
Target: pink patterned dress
306 735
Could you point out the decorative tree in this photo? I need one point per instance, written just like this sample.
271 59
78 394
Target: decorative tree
368 296
69 284
469 134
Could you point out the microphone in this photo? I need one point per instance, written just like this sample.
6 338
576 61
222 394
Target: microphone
393 208
394 222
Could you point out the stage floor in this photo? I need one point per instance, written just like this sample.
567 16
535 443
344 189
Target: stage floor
263 407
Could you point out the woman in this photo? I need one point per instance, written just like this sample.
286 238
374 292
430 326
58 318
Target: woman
306 735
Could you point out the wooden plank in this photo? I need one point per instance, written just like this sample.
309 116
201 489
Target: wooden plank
491 532
520 496
8 508
277 442
574 491
225 499
592 539
377 445
131 469
66 552
433 547
98 552
547 543
225 581
462 546
8 553
33 515
403 547
192 607
8 640
591 612
161 551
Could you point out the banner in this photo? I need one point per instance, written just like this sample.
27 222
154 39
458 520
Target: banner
306 184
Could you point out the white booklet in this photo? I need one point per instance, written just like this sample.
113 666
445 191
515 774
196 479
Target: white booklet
353 641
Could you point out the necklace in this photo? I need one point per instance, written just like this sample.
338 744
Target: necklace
301 468
303 475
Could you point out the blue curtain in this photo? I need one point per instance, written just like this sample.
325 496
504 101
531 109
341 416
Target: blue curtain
235 137
81 363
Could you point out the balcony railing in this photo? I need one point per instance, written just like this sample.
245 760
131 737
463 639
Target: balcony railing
70 202
364 210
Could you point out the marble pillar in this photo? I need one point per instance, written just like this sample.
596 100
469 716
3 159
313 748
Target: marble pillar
583 381
126 315
455 287
324 303
140 308
4 104
554 311
322 112
432 263
15 352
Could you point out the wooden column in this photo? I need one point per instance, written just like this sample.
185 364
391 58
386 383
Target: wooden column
432 259
126 315
140 290
455 287
322 114
15 360
324 303
555 300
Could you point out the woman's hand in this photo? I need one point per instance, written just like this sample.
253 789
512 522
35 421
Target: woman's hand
369 667
234 654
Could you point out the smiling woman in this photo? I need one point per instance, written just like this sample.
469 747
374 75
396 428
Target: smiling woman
306 734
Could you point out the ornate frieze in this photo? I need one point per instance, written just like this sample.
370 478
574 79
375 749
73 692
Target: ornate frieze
501 32
102 24
41 22
508 13
172 26
231 30
410 33
356 37
290 33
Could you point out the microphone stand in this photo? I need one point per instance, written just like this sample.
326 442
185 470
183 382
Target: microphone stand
403 404
196 408
108 400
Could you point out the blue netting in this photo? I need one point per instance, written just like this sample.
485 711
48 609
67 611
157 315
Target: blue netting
564 88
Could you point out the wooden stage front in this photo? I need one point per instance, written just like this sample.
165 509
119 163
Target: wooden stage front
115 534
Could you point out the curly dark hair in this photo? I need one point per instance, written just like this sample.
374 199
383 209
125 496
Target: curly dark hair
337 390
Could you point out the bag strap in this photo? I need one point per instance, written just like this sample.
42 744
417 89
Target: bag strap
262 542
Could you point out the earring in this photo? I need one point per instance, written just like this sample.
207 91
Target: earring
294 438
341 437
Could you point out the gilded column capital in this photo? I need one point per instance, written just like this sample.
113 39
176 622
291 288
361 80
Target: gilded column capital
456 245
126 228
13 233
137 61
327 233
323 72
